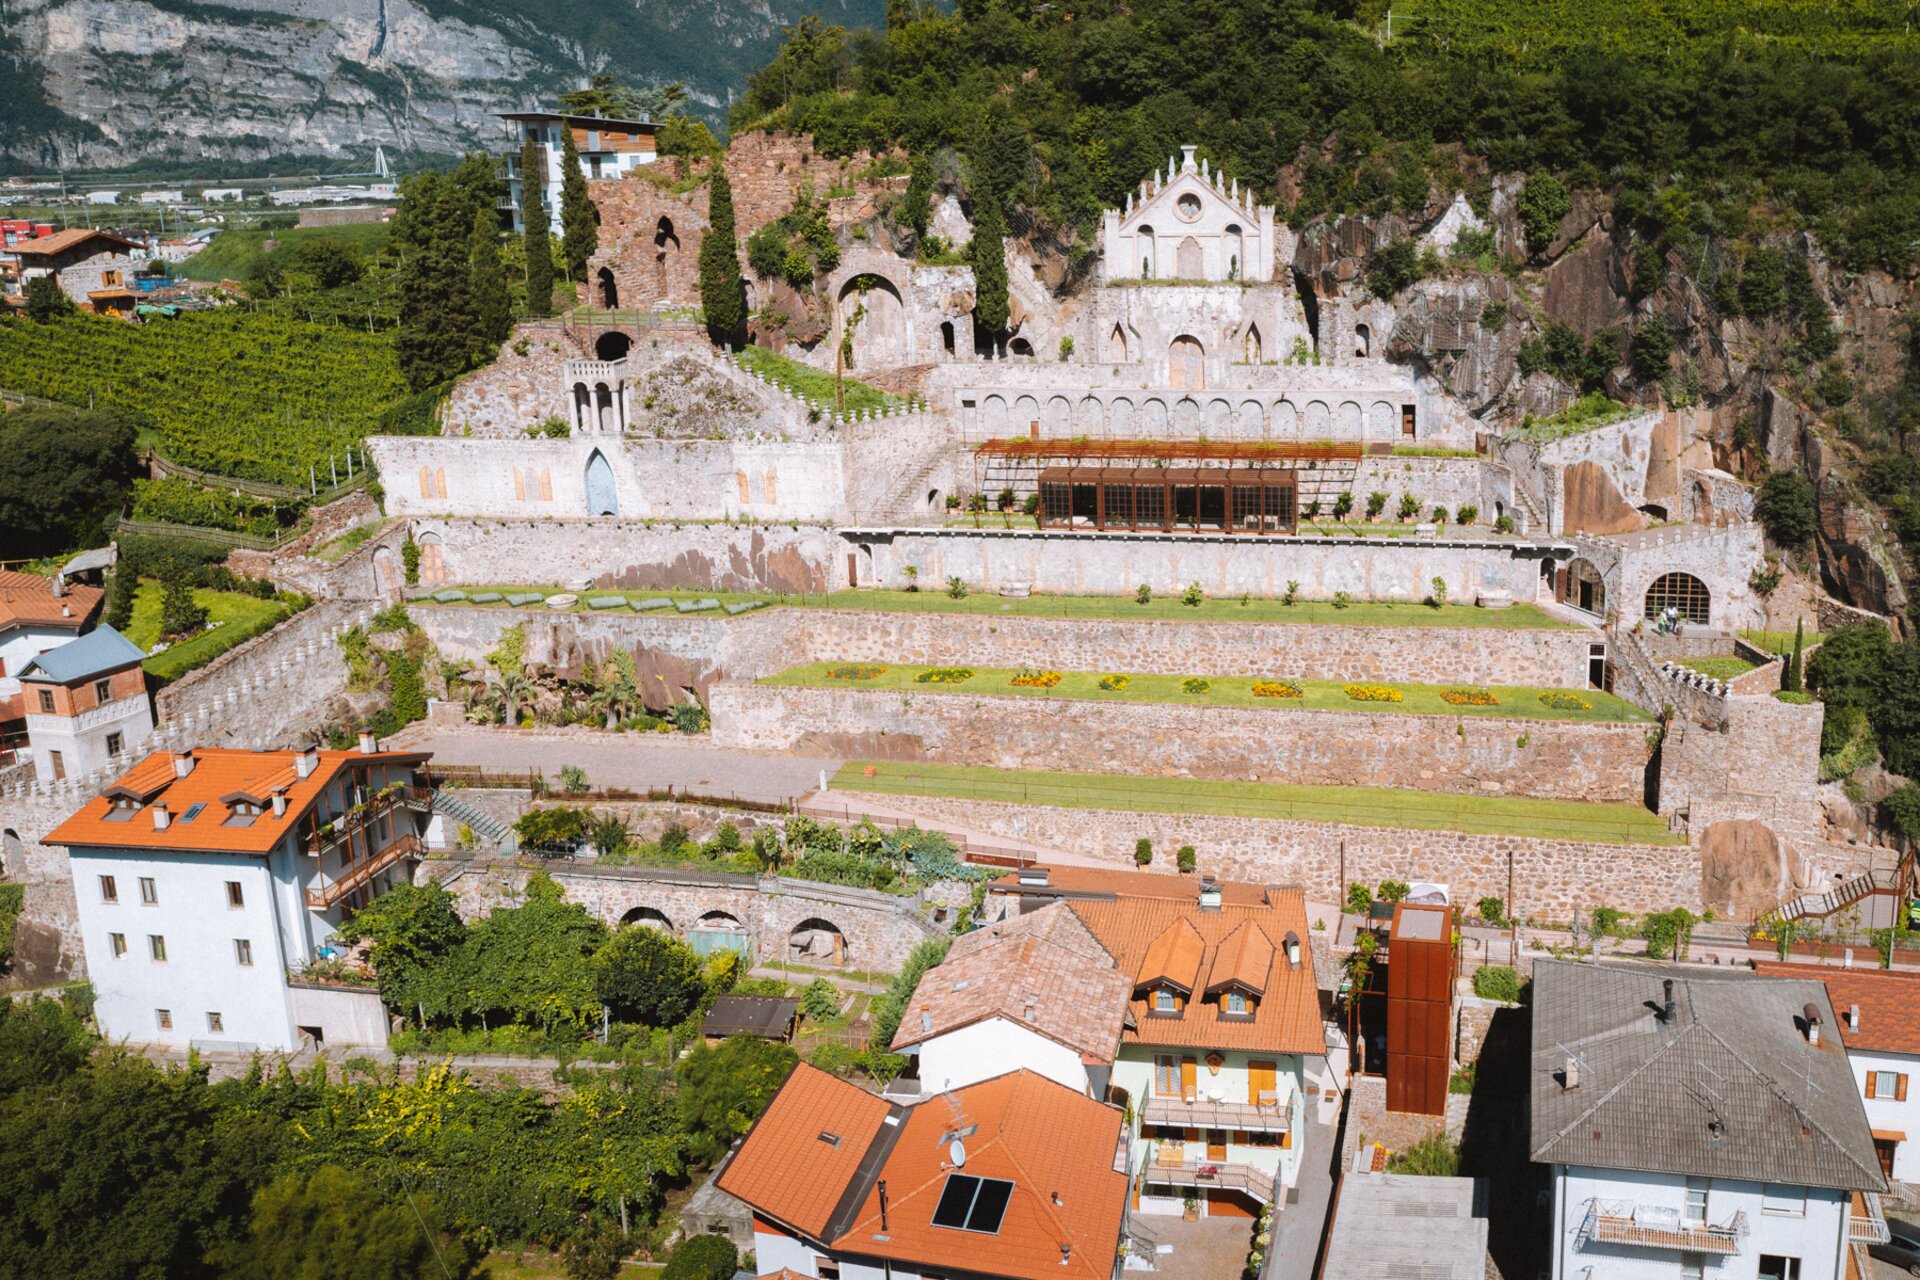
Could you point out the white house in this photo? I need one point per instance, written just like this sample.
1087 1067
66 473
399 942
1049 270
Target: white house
207 880
1698 1126
1878 1017
607 148
36 614
86 704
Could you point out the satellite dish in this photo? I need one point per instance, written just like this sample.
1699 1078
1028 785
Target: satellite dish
957 1153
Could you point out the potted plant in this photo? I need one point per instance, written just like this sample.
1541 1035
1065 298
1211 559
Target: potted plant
1190 1207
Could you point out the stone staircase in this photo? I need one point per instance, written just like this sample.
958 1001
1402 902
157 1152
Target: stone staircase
905 501
449 805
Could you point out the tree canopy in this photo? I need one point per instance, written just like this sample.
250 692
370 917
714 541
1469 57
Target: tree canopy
67 474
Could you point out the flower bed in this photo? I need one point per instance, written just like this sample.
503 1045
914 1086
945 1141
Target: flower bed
1114 684
1194 684
945 675
1469 697
858 671
1028 678
1372 693
1560 701
1277 689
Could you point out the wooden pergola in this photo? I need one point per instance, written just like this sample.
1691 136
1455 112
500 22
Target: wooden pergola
1166 499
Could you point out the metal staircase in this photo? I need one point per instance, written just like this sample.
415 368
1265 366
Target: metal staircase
485 825
1843 895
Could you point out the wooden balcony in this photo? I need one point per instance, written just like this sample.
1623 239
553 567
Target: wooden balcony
324 896
411 799
1659 1227
1201 1113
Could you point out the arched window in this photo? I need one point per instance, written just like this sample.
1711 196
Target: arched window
1186 364
611 345
1362 341
1147 264
1681 591
663 235
1233 241
609 292
1117 346
1253 344
602 494
946 336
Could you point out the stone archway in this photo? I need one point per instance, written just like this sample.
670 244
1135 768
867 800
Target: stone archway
388 581
1149 255
1117 346
609 291
1186 364
582 405
880 336
433 560
1190 261
603 495
818 941
1582 586
1251 348
613 344
648 917
13 855
1683 592
1362 341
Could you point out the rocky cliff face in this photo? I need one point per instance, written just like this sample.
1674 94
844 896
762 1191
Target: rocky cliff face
103 83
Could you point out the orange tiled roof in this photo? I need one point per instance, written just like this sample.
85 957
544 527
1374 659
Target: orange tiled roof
1101 882
61 241
1174 956
1889 1003
786 1168
1043 970
1137 927
218 776
27 599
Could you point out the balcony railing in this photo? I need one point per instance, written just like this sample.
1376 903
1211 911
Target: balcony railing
415 799
324 896
1201 1113
1170 1167
595 370
1866 1223
1659 1227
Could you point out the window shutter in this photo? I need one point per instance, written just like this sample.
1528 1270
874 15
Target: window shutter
440 483
1189 1075
519 486
1900 1087
1872 1077
426 483
546 485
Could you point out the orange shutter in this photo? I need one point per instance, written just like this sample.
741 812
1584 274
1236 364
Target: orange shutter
1900 1087
1189 1076
1262 1077
1871 1077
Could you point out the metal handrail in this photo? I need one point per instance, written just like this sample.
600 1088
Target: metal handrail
327 895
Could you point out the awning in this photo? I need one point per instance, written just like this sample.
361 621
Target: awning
1889 1135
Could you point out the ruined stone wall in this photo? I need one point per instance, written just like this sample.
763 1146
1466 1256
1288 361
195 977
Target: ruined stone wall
612 552
513 393
46 937
1544 879
649 240
1560 759
1452 483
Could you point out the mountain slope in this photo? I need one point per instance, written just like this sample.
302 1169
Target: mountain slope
103 83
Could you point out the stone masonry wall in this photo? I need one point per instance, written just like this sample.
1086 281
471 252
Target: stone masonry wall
1562 759
514 392
1548 879
271 691
612 553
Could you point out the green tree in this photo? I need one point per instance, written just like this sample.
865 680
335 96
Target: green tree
1793 679
434 338
67 473
487 284
1007 165
722 296
646 976
46 300
1543 202
406 687
579 220
723 1089
331 1223
988 254
531 965
1895 714
534 228
413 929
703 1257
1787 510
891 1005
180 614
1651 349
1394 268
42 1042
916 206
1903 810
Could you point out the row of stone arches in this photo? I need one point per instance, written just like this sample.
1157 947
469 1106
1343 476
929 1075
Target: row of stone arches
814 940
1154 416
1582 584
1189 257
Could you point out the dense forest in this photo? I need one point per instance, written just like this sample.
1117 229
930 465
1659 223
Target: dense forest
1711 119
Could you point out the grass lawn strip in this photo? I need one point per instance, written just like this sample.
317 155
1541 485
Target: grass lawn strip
1780 643
1516 702
1167 608
1347 806
1721 669
242 617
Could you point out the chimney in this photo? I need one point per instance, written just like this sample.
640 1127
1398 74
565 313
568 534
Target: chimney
1811 1013
279 804
1667 1011
1066 1252
306 762
183 763
881 1187
59 586
1034 876
368 743
1292 946
1209 894
160 817
66 610
1570 1078
1853 1017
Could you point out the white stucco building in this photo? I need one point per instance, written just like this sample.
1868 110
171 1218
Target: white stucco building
207 880
86 704
608 149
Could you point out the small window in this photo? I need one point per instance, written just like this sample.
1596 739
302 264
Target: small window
193 811
109 891
236 896
214 1024
1166 1075
1783 1201
1696 1209
103 691
148 894
157 946
1237 1005
46 702
115 744
163 1018
241 814
1693 1266
1164 1001
1886 1084
243 952
828 1269
117 943
121 810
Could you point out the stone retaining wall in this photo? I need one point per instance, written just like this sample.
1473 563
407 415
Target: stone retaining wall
1572 760
1543 879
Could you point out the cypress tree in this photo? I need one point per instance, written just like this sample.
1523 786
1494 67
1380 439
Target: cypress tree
579 220
533 220
487 280
988 253
438 325
1795 678
721 294
120 589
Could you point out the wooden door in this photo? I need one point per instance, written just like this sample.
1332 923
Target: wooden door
1189 1078
1884 1148
1186 365
1216 1144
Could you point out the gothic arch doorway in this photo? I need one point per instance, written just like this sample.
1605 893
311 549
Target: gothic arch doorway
1362 341
1190 262
1252 352
603 496
609 292
1148 256
1117 346
1186 364
433 560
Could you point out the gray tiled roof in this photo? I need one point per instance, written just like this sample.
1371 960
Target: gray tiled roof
1650 1093
1392 1225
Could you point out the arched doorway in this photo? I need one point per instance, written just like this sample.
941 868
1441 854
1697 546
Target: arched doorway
433 560
1117 346
1148 264
603 414
650 917
664 237
719 931
387 579
1190 263
582 405
1234 242
612 345
946 336
1582 587
603 496
1362 341
819 941
1020 347
873 306
1252 350
1186 364
609 292
1683 592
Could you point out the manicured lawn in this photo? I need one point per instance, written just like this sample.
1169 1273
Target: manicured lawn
1780 642
347 543
1164 608
1719 668
241 617
811 384
1223 691
1351 806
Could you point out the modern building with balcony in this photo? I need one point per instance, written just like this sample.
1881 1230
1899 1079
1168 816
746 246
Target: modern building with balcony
608 149
208 881
1698 1126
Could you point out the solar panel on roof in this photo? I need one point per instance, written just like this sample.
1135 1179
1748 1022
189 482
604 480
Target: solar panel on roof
968 1203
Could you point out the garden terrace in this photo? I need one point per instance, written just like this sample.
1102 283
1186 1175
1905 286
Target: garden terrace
1510 702
235 618
1388 807
1137 470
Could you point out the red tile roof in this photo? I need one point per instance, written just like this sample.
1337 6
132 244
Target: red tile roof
72 237
218 776
788 1167
1174 956
1244 958
27 599
1889 1003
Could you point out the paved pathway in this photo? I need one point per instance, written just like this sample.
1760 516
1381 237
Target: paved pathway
633 761
1301 1222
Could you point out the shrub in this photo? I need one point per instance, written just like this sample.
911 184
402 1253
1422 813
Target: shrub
1276 689
1669 934
689 717
1142 594
1343 506
956 588
1606 920
1439 596
1359 899
1542 204
1029 678
944 675
607 834
704 1257
1561 700
1292 596
179 614
1797 697
1903 810
573 779
1469 697
1343 599
1194 684
1409 506
1497 982
1504 524
820 1000
1376 503
1392 891
555 830
1431 1157
1467 514
1373 693
1115 683
1185 858
410 561
1785 508
857 671
1493 910
1439 515
1192 596
1142 852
